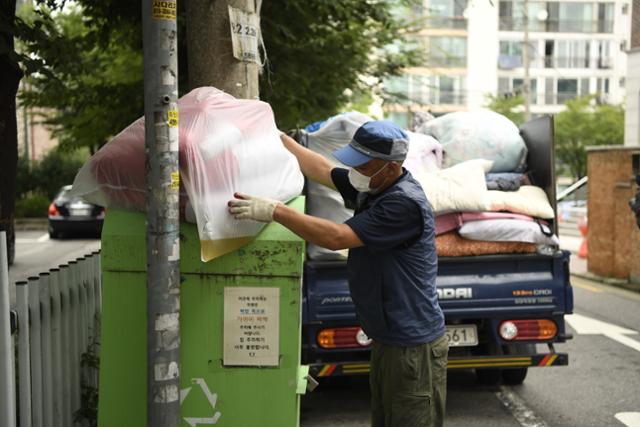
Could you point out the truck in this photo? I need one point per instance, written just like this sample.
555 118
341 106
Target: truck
504 313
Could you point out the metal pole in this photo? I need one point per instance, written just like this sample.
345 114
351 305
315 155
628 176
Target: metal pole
7 376
163 226
526 86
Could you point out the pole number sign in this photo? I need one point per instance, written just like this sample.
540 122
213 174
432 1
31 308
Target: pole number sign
245 33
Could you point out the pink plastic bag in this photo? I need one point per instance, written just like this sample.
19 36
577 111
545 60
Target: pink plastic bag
226 145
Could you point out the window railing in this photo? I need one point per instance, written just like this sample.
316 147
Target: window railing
447 61
452 22
508 23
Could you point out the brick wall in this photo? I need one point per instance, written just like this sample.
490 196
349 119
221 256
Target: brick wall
612 231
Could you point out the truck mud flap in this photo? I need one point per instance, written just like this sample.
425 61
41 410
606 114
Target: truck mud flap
322 370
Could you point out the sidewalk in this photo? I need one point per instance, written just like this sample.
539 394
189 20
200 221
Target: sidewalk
578 266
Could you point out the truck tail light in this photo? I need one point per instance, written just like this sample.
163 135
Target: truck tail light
349 337
526 330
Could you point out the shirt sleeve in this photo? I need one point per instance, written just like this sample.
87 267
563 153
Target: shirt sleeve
340 178
388 224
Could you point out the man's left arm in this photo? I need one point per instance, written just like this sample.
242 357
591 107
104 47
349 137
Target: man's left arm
318 231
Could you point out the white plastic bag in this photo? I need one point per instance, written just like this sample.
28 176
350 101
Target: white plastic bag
227 145
324 202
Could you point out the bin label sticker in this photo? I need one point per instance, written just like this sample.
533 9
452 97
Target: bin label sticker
251 326
211 397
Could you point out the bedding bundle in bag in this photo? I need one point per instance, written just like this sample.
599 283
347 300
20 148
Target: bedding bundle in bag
226 145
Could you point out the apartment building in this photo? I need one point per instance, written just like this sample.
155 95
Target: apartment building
474 49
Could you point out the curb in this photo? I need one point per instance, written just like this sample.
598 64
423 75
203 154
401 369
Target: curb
31 224
619 283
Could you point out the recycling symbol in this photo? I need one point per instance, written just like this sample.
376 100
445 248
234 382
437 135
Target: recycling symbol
211 397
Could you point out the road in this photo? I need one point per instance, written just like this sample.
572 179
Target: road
36 253
601 382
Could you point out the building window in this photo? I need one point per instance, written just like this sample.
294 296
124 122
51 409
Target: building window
567 89
447 14
448 51
605 17
561 90
518 88
414 89
553 16
566 54
604 54
401 118
508 86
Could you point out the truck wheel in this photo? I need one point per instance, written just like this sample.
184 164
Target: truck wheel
488 376
514 376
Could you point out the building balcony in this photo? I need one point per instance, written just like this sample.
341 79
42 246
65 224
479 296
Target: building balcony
557 26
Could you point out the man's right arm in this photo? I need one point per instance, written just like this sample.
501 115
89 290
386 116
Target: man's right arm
313 165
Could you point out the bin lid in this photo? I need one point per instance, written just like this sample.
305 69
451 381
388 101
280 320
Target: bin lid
276 251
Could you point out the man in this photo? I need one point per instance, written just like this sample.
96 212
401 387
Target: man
392 267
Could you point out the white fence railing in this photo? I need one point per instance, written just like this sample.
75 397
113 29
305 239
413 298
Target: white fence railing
58 315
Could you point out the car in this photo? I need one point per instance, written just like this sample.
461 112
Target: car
71 214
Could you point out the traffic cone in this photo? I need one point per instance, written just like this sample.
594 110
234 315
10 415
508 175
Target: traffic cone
582 226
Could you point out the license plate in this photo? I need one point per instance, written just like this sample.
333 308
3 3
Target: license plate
462 335
80 212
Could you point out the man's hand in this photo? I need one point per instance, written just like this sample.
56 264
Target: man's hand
252 207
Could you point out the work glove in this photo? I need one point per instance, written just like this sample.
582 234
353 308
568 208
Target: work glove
252 207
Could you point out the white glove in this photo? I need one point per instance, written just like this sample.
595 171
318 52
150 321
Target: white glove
252 207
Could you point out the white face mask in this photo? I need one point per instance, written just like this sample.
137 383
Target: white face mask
362 182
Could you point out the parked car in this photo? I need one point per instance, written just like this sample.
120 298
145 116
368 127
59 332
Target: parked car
74 215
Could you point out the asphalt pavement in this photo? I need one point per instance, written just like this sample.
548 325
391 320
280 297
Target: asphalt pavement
600 387
37 253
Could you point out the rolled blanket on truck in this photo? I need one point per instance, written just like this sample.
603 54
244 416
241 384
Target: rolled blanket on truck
503 211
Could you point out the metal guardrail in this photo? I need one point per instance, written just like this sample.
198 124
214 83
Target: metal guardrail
58 322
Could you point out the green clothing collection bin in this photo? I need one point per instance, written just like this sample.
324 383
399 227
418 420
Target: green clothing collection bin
240 321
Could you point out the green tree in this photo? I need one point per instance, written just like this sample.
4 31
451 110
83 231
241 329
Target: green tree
508 106
584 124
89 61
88 84
318 52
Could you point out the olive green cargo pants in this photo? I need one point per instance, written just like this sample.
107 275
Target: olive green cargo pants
409 384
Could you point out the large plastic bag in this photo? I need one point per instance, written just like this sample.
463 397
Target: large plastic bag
479 135
324 202
226 145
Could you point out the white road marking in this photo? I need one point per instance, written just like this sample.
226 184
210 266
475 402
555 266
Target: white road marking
43 238
630 419
518 408
584 325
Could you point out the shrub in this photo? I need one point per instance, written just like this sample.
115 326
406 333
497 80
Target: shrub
32 206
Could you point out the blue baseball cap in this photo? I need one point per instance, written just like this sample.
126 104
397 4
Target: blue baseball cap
379 139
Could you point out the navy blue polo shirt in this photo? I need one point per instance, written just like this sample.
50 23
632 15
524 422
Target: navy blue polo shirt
392 278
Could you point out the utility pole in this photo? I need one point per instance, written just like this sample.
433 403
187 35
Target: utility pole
526 84
210 49
163 226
